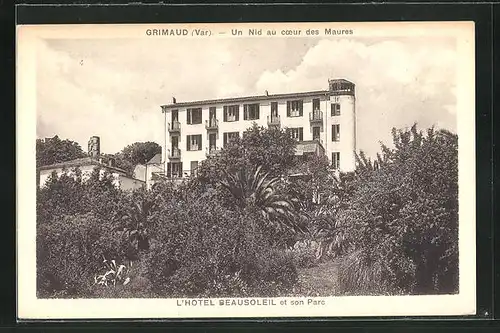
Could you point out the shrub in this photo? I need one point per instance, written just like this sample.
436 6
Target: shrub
70 251
401 221
270 273
202 249
138 287
359 273
304 254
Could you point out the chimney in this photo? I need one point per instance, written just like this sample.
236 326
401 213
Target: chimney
267 93
174 100
94 147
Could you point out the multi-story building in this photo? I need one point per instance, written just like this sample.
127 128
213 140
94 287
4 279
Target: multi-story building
193 130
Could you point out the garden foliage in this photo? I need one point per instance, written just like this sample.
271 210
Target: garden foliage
242 227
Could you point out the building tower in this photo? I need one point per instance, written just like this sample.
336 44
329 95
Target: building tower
94 147
341 124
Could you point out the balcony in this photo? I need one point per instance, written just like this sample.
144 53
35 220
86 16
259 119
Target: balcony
317 139
273 120
174 127
212 124
174 154
212 151
316 116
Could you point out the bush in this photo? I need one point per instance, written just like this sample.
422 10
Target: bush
359 273
401 222
304 255
270 273
70 251
203 249
138 287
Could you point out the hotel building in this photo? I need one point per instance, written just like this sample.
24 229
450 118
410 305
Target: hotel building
193 130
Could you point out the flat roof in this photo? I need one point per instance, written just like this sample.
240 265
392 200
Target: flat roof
247 98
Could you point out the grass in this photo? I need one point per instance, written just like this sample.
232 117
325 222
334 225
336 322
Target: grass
320 280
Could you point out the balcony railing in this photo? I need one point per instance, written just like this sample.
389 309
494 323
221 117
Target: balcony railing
174 154
174 127
316 116
212 151
273 120
319 140
212 124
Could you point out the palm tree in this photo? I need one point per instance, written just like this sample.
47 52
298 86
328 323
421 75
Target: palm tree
255 192
135 223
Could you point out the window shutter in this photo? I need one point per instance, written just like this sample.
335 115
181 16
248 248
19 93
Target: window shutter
257 113
199 143
301 132
188 116
225 113
225 139
301 107
188 142
288 108
181 170
237 113
245 112
169 169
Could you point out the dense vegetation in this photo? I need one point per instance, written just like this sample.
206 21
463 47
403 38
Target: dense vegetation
242 227
54 150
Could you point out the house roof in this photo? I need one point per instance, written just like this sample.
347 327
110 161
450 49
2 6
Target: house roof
155 160
80 162
246 98
339 81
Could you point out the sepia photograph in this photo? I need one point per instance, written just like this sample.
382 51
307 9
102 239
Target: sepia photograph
246 170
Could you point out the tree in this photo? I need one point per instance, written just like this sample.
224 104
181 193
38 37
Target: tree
135 218
402 219
61 195
256 197
271 148
136 153
54 150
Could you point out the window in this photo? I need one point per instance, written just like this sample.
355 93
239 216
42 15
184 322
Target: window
316 133
316 104
274 109
336 132
336 160
212 139
174 169
194 116
175 115
296 133
231 113
335 109
251 111
194 167
193 142
175 142
294 108
230 136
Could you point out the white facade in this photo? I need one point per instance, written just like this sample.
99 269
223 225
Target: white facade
119 179
321 111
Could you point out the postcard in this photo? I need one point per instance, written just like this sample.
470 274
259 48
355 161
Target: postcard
246 170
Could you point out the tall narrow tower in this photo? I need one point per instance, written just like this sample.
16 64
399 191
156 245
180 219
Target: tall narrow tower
94 147
341 125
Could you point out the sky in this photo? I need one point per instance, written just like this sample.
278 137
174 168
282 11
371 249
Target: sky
114 88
